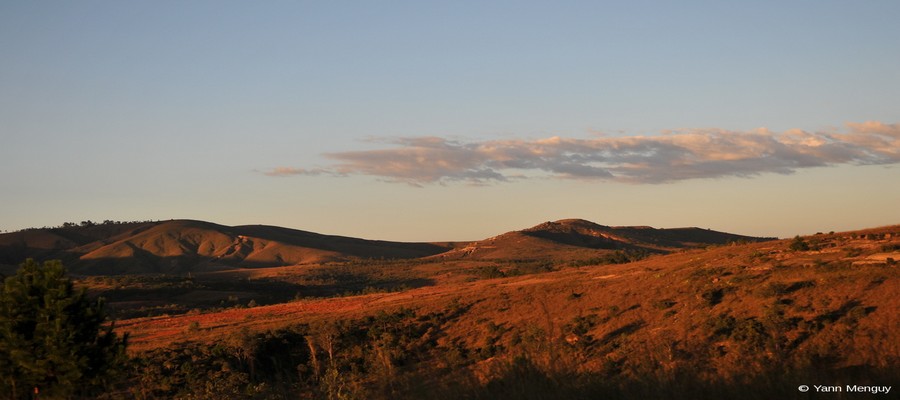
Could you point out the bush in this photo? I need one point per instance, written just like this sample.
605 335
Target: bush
854 251
713 296
798 244
890 247
664 304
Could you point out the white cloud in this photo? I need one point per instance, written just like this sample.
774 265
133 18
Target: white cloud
672 156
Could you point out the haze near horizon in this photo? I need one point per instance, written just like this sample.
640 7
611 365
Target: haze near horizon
424 122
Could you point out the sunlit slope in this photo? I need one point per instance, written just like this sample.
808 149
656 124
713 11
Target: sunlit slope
181 246
186 245
829 298
577 239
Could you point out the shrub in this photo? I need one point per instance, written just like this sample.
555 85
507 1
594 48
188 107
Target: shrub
854 251
713 296
890 247
798 244
664 304
751 333
773 289
721 325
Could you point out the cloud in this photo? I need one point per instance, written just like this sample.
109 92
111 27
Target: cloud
668 157
290 171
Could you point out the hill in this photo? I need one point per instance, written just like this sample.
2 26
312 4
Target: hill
275 312
181 246
578 239
741 321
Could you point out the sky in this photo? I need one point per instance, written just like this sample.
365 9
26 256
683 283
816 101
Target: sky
433 121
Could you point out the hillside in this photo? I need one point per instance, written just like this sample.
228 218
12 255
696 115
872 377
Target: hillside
701 278
739 321
182 246
48 243
578 239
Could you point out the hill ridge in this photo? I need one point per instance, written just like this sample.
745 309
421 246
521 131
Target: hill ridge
182 245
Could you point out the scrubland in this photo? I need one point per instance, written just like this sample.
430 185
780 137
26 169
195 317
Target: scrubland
738 321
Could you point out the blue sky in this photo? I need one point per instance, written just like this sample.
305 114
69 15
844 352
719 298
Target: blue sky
425 121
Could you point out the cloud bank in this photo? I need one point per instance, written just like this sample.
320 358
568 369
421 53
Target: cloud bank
668 157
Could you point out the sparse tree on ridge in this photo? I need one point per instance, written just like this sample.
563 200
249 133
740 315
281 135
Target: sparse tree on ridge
798 244
53 340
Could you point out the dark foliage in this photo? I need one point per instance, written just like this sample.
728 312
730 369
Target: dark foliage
54 341
798 244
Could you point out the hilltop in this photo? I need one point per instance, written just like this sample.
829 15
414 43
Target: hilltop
578 239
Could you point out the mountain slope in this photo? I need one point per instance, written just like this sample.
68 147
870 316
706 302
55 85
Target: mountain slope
571 239
749 321
187 245
49 243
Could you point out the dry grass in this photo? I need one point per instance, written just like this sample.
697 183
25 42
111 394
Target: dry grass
808 304
705 323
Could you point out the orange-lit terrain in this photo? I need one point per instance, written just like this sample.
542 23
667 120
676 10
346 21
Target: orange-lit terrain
567 307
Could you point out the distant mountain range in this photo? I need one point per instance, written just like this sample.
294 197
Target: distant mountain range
179 246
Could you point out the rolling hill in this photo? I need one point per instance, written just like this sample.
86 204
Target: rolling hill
578 239
740 321
282 313
181 246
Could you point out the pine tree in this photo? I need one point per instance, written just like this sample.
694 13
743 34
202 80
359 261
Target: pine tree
54 341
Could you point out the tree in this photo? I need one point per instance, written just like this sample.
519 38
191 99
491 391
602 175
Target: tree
798 244
53 339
